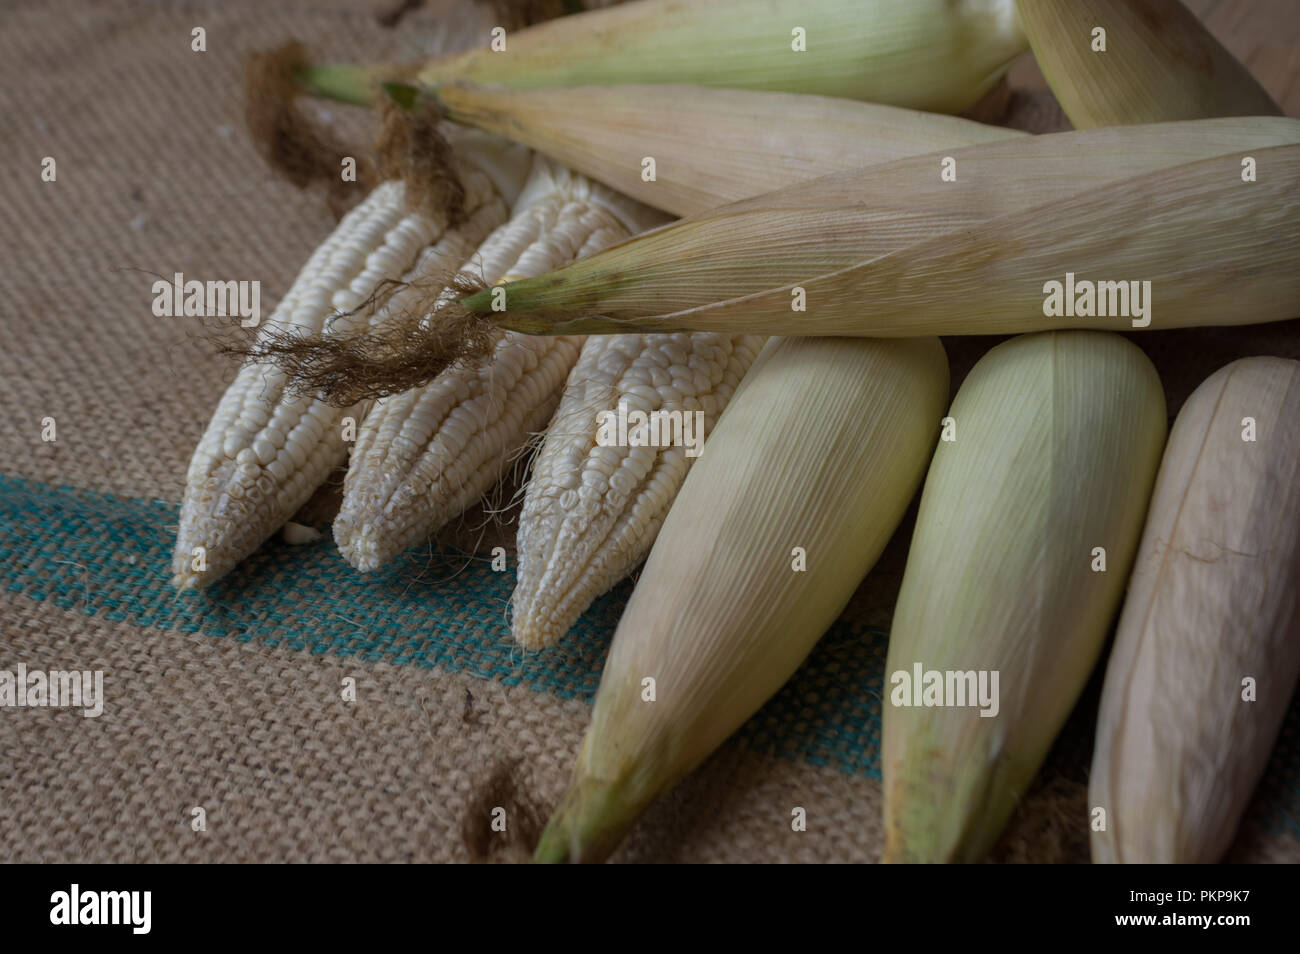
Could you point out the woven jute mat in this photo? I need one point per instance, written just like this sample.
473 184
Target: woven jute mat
230 706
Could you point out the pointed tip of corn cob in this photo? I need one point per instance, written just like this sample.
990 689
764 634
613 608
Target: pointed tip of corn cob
592 819
185 580
534 632
233 503
362 545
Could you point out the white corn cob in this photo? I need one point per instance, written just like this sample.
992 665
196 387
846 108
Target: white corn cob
591 512
266 449
425 455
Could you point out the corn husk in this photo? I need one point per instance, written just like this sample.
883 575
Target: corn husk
709 146
822 448
936 55
1162 203
1159 64
1058 438
1212 602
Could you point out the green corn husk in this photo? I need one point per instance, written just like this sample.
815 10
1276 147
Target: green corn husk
1211 603
1164 203
822 448
1160 63
1058 438
710 146
936 55
1170 770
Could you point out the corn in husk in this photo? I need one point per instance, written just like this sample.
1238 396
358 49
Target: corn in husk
1158 63
269 447
936 55
709 146
1182 737
1028 524
1166 204
821 449
425 455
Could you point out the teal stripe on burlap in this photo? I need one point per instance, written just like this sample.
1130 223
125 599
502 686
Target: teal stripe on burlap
109 558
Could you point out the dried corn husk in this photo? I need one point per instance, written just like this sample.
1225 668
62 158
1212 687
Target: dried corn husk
937 55
1162 203
822 449
1212 602
709 146
1159 64
1057 441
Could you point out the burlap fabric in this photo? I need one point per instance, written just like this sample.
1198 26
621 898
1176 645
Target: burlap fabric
231 701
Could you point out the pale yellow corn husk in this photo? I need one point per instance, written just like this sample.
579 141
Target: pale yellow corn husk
591 512
1057 441
267 448
1159 63
821 449
936 55
425 455
1211 603
709 146
896 251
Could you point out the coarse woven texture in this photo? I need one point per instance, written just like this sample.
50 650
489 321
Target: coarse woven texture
232 701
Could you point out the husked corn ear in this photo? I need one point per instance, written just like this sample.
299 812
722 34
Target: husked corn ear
1027 527
591 510
936 55
708 146
821 450
1208 647
1152 62
1163 203
425 455
267 447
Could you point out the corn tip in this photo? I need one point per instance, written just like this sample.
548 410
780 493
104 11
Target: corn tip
589 824
553 847
533 632
184 580
361 546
